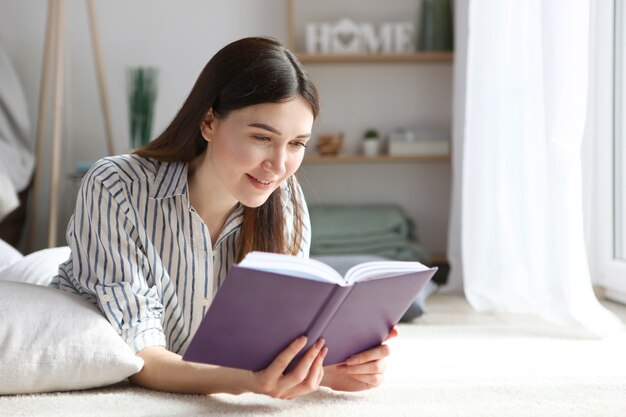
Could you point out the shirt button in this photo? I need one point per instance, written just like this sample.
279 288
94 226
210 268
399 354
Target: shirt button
206 301
106 298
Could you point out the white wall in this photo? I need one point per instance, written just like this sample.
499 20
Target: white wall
179 37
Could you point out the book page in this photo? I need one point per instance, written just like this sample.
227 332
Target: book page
382 269
292 265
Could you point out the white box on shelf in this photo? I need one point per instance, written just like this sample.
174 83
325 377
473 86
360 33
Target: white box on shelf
419 148
411 143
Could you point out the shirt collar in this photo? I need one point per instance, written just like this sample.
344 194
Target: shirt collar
232 224
170 180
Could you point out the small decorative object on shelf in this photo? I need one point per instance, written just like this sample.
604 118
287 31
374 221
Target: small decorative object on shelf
371 142
330 144
142 92
436 27
349 37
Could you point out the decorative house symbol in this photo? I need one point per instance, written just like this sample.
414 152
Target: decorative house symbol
346 37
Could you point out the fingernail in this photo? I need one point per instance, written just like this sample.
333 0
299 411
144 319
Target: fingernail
352 361
324 352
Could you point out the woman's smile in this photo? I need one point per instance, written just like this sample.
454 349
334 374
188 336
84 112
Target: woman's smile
261 184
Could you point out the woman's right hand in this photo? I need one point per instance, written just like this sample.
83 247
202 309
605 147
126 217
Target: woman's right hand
166 371
303 379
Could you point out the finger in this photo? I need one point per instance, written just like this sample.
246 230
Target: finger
316 369
372 380
278 365
312 381
392 333
376 353
321 376
301 371
374 367
319 365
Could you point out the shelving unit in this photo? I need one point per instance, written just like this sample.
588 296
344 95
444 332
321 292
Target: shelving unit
420 184
418 57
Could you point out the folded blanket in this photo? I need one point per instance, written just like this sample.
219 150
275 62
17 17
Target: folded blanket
407 252
389 238
358 221
363 246
366 230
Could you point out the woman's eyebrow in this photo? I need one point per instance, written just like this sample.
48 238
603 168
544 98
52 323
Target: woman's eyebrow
266 127
274 130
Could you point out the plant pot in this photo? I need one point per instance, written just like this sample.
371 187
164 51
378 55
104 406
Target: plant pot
371 147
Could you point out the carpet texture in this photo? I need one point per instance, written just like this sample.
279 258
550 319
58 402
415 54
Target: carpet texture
451 362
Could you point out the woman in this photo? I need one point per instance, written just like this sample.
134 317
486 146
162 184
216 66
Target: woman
155 233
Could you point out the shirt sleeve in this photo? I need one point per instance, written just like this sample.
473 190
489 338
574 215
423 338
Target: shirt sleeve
109 262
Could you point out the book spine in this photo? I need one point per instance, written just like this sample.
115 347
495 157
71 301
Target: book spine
325 314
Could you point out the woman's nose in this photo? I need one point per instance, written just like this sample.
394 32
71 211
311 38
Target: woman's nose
275 162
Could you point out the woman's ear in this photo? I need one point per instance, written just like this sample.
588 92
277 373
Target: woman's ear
206 127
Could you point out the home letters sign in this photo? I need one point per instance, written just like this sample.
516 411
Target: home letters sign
348 37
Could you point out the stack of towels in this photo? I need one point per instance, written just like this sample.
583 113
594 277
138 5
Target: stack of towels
379 230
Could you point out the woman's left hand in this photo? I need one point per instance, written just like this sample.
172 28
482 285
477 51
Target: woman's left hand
361 371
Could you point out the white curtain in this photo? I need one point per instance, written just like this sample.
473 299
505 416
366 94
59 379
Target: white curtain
520 203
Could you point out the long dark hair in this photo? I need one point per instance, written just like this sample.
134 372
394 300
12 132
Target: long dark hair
244 73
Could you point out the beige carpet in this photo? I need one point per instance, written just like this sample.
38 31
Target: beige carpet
451 362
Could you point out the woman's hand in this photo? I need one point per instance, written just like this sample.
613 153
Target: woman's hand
361 371
303 379
166 371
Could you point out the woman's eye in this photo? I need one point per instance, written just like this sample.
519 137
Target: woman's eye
299 144
261 138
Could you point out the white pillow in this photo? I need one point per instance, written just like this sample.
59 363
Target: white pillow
36 268
8 255
55 341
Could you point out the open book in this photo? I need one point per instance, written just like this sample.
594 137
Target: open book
268 300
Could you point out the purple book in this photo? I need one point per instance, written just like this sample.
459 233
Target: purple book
268 300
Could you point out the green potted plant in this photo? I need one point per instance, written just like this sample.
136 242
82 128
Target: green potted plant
371 142
142 92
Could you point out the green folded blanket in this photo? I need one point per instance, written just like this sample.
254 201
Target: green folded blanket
357 221
390 238
407 252
372 230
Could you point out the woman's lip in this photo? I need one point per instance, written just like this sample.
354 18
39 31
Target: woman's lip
260 184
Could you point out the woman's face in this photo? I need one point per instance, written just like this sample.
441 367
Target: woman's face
253 150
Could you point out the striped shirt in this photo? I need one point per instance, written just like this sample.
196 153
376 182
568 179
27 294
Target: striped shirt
143 254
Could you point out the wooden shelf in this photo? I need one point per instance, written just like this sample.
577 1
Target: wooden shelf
361 159
425 57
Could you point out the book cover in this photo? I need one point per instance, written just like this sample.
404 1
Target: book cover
257 313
